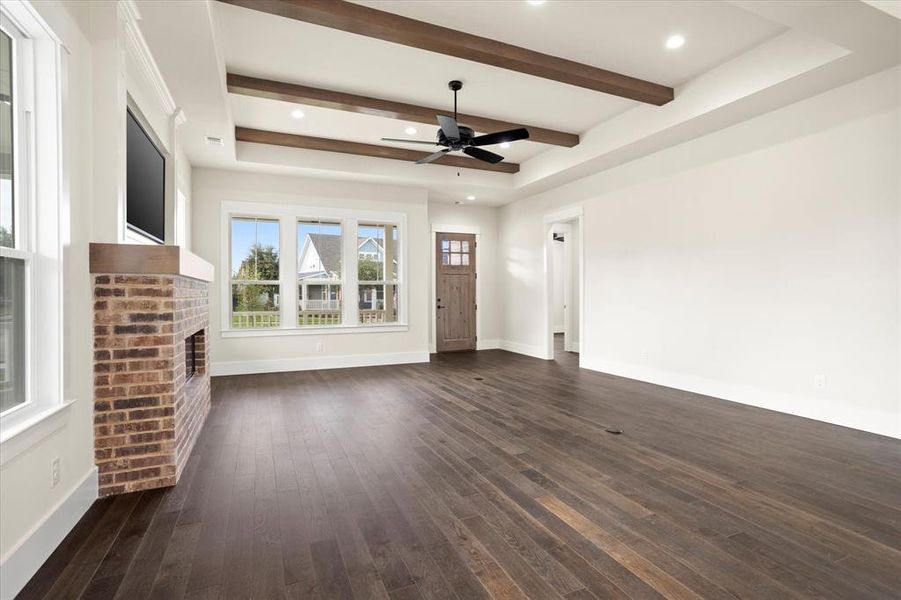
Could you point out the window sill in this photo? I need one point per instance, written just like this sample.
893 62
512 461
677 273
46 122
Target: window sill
330 330
23 434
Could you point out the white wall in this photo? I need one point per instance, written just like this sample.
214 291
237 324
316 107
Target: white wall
293 352
484 220
574 241
745 263
29 515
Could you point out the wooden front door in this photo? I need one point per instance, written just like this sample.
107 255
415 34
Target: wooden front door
455 312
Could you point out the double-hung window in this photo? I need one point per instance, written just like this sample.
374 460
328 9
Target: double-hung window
377 272
301 269
320 248
254 281
15 257
31 179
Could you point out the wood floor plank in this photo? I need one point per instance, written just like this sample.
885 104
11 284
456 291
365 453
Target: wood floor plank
490 475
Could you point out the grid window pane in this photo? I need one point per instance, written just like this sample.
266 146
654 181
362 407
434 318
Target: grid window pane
378 303
255 305
455 260
254 252
12 333
377 252
319 304
319 250
7 141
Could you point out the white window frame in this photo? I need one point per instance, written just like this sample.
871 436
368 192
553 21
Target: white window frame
384 282
41 223
305 283
289 215
232 281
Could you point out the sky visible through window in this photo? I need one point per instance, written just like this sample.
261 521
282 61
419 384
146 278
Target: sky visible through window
246 233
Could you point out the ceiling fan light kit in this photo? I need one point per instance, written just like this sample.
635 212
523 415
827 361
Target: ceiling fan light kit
456 137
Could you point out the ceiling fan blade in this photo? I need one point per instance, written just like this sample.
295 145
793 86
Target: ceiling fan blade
449 127
410 141
501 136
490 157
432 157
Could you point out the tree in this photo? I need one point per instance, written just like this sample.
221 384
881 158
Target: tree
260 264
6 238
369 269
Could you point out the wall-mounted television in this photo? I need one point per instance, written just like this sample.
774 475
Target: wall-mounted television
145 197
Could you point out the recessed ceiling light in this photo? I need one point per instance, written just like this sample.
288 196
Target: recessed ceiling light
505 145
536 2
297 113
470 197
410 130
675 41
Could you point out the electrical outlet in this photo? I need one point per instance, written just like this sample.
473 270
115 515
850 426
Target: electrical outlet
644 354
54 472
318 346
819 381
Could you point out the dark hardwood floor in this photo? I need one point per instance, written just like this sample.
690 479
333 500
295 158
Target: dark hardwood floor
491 475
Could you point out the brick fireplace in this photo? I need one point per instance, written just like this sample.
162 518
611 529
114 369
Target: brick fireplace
151 309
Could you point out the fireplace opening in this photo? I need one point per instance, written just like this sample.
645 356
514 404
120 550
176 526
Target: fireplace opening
193 347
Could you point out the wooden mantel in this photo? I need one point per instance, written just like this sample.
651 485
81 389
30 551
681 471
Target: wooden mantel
139 259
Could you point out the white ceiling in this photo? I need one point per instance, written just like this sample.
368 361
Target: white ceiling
195 43
626 36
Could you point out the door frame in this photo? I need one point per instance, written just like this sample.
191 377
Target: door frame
564 215
433 317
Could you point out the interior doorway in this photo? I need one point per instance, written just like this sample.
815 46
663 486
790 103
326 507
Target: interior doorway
563 259
455 292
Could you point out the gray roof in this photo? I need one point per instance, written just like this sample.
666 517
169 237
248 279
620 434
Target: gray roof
329 248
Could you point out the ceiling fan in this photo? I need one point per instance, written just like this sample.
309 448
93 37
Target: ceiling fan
455 136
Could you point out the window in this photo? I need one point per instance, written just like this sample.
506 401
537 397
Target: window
300 269
31 177
255 289
455 253
320 266
15 260
377 273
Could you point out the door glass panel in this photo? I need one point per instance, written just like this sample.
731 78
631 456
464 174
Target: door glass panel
465 246
455 260
455 245
465 259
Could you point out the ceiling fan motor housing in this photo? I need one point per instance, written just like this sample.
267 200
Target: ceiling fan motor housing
466 134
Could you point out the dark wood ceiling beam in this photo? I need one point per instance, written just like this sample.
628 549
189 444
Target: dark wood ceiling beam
310 96
259 136
370 22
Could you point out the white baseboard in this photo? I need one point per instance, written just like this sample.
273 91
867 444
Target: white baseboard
488 344
575 347
527 349
309 363
793 404
26 557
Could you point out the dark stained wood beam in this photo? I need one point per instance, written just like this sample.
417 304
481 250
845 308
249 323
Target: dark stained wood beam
370 22
306 142
290 92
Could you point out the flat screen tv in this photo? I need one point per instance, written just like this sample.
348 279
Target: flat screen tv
146 183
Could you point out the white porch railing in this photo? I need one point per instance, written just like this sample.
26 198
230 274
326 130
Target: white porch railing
251 319
320 305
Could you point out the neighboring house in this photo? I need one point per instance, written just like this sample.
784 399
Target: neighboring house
320 258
